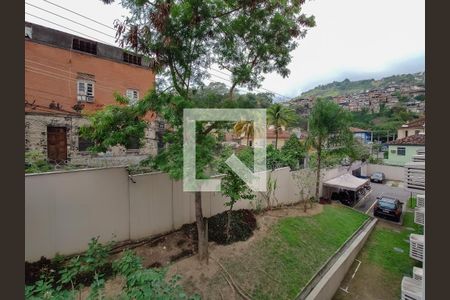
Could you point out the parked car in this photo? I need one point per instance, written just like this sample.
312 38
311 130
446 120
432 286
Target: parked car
388 207
377 177
345 197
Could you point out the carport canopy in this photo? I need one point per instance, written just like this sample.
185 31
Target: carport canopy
346 182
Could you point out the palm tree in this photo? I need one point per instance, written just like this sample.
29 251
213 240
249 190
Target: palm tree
328 124
280 116
244 128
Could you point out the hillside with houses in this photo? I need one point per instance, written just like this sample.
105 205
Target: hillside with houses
406 90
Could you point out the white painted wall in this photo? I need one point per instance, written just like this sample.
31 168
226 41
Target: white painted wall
64 210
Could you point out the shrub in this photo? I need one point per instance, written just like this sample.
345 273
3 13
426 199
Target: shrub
243 223
93 268
35 162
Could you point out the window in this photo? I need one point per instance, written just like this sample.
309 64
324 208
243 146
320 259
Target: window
133 96
406 133
160 140
401 151
133 143
85 46
85 90
132 59
84 144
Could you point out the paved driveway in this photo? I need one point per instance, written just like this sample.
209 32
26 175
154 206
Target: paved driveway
378 189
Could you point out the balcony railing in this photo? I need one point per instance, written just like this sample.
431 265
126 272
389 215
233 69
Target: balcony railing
418 274
416 246
415 176
420 200
419 216
411 289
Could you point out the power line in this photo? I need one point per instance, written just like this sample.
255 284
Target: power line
83 34
74 12
262 88
60 70
62 77
50 12
45 92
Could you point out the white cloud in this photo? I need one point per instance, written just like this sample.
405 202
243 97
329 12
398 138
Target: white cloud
353 38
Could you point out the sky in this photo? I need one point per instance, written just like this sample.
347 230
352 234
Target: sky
354 39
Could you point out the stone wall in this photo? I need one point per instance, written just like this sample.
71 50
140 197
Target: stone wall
36 139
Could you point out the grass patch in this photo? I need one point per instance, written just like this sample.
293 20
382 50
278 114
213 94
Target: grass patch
281 264
380 251
412 202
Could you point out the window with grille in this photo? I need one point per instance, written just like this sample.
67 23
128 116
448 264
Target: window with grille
132 59
85 46
85 90
401 151
133 96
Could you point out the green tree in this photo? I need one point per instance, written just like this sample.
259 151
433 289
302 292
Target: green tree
182 39
233 186
293 152
280 116
328 127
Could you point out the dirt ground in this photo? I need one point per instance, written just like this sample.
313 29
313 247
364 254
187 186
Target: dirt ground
176 251
195 276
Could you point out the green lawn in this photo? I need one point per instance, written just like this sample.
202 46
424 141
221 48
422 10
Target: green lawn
412 202
385 260
383 242
281 264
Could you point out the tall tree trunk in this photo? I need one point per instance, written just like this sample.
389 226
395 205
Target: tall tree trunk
201 232
276 138
230 94
228 223
319 158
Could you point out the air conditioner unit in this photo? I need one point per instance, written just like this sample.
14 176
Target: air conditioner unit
411 289
420 200
416 246
419 216
418 274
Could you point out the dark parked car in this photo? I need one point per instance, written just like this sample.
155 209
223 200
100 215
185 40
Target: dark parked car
388 207
377 177
345 197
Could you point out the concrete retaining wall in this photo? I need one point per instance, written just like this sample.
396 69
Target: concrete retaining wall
331 280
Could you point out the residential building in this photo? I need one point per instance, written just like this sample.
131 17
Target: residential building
402 151
283 136
67 76
413 288
364 135
411 128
